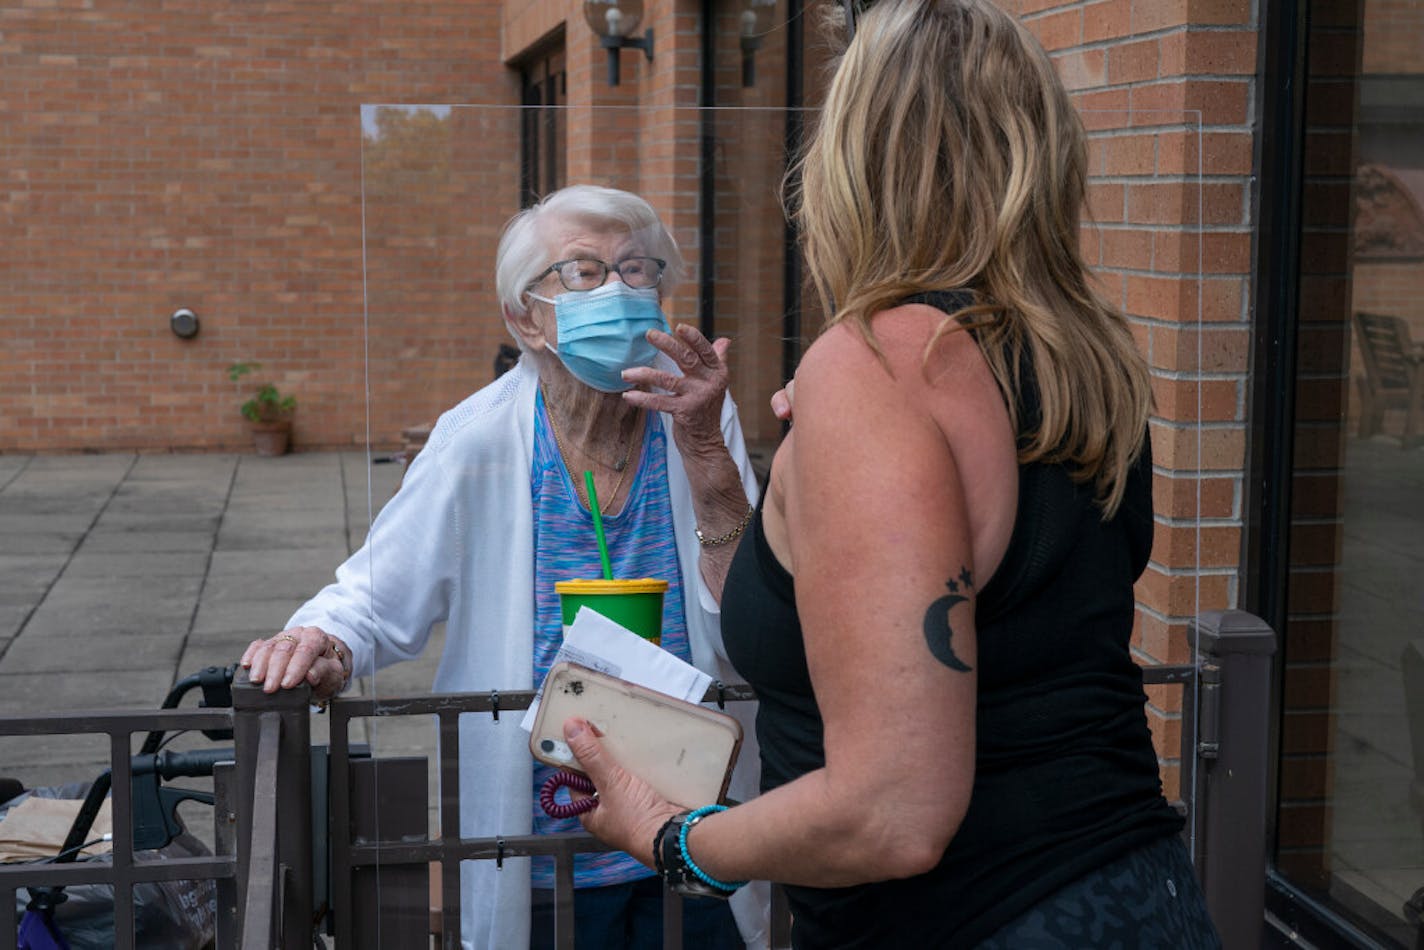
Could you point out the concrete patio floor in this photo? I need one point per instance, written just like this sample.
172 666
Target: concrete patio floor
122 573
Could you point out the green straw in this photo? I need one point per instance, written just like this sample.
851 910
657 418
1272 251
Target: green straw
598 526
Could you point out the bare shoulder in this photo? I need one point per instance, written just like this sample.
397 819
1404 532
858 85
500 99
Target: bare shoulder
927 396
912 413
945 379
913 386
842 353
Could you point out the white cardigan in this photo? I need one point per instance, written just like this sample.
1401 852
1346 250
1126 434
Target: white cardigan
455 544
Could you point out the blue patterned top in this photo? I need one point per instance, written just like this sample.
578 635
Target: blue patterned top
640 544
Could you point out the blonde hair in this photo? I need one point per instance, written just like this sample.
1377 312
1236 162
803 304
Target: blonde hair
949 156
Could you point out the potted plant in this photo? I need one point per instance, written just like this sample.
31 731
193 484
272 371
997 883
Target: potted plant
268 413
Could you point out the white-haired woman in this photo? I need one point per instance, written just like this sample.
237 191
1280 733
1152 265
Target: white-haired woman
935 602
493 511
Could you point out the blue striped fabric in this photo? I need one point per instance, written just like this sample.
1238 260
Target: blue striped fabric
640 544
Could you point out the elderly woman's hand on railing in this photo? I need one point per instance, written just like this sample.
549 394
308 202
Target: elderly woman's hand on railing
297 654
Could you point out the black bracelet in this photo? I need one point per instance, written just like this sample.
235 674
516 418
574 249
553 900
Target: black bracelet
668 856
658 845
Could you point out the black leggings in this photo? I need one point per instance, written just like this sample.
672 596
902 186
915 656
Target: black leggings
1148 898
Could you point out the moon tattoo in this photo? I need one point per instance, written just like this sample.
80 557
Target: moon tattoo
938 634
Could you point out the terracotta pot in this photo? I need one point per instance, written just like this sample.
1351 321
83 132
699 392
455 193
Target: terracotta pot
272 438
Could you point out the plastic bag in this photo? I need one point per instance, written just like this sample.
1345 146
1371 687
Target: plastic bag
168 915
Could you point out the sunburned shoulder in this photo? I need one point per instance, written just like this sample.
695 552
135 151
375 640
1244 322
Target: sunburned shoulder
903 335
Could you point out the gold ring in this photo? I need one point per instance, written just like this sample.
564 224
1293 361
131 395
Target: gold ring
288 636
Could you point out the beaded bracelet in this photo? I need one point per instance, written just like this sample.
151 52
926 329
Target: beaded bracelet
691 865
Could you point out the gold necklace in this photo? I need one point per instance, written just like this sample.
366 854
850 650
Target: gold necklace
621 466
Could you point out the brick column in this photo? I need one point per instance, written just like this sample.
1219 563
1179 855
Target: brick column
1166 92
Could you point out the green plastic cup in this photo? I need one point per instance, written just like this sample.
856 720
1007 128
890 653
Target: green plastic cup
635 604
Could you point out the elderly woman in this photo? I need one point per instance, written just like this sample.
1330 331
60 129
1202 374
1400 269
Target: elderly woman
493 512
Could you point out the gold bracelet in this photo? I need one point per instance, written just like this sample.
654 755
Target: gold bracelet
346 671
732 535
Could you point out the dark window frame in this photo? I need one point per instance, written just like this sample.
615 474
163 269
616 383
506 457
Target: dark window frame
543 82
1279 163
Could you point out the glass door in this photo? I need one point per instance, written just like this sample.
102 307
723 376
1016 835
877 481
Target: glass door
1349 843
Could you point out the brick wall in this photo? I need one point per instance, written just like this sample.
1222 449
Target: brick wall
191 154
439 185
1173 253
1166 91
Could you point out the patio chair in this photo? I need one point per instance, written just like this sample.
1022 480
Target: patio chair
1394 374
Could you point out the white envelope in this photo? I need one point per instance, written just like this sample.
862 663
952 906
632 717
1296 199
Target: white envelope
596 642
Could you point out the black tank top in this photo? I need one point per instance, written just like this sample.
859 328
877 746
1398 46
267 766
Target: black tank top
1066 775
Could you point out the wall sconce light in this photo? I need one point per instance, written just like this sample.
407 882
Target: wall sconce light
184 324
614 21
755 22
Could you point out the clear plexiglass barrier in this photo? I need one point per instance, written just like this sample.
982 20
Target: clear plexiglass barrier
439 185
170 562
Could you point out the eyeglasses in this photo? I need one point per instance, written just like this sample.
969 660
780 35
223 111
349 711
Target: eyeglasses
587 273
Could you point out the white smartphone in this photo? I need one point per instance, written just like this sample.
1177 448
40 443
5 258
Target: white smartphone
684 751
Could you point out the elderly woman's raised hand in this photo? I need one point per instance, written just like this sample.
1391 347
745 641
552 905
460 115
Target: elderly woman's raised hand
309 653
694 399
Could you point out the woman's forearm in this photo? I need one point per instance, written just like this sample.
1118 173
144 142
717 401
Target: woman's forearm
719 502
809 833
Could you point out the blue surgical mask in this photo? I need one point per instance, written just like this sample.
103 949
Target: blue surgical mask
604 331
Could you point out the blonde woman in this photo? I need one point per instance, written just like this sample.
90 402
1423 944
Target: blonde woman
935 599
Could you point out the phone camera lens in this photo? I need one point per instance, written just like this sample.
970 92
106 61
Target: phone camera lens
547 745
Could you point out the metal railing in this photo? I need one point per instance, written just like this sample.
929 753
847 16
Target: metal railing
1231 752
273 815
1224 767
124 872
397 852
355 862
271 891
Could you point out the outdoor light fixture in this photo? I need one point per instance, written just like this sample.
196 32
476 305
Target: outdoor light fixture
614 22
755 22
184 324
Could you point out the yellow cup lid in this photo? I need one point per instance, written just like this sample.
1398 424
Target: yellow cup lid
642 585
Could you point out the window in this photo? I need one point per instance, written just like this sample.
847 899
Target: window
1350 811
542 167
